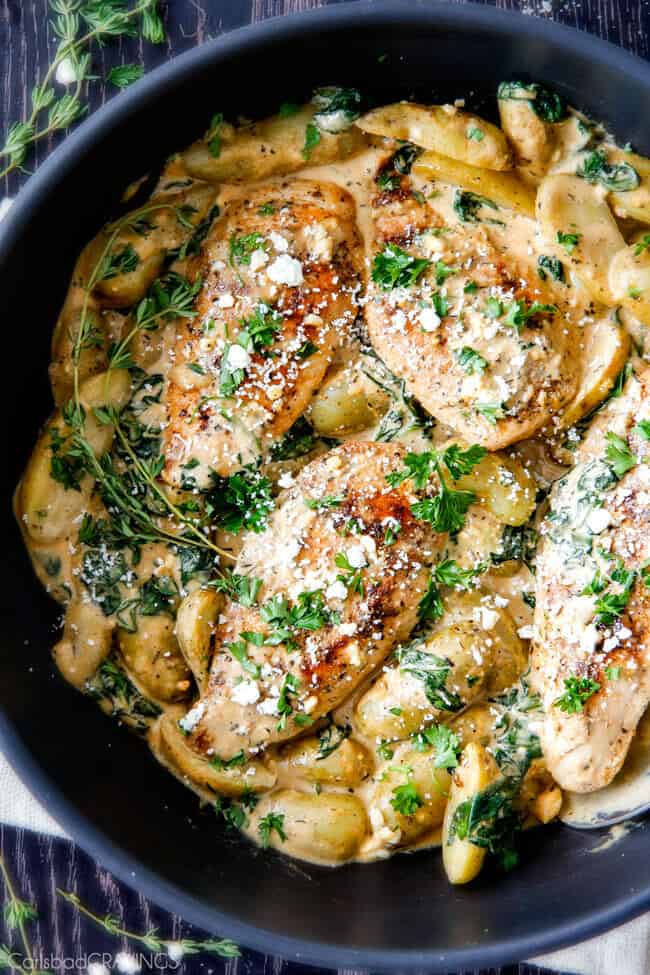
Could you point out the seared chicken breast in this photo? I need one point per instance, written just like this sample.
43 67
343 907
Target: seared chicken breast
279 289
591 654
484 349
342 565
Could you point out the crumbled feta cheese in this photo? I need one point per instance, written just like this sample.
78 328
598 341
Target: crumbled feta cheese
226 301
285 270
348 629
280 243
429 319
526 632
599 520
246 692
258 259
336 590
356 557
189 722
268 706
487 617
285 480
238 357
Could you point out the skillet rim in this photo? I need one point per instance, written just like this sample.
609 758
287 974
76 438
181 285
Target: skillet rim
58 165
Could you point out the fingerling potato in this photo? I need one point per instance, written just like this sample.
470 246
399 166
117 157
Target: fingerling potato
443 128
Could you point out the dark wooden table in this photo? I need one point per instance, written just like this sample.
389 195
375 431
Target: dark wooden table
38 865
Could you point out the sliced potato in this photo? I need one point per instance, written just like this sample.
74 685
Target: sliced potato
570 209
505 486
205 774
477 770
632 203
409 797
532 138
347 402
505 189
154 660
474 724
86 642
273 146
93 359
443 128
606 346
397 703
629 280
327 828
194 623
46 507
151 233
348 764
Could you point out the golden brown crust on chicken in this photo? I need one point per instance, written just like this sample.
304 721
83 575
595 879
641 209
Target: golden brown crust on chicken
484 350
279 278
367 601
593 603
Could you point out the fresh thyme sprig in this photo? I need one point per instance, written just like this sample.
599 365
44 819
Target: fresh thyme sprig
134 513
50 113
223 947
17 913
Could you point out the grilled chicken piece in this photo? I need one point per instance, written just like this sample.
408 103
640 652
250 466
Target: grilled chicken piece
469 335
345 617
279 286
592 617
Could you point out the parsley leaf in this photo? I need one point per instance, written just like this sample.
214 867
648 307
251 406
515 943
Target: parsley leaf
619 456
406 799
395 268
568 241
444 742
470 360
272 822
577 691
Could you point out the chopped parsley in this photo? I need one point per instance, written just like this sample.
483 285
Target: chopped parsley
213 136
240 501
445 512
470 360
312 139
642 245
288 690
490 412
241 589
577 691
489 820
619 456
272 822
443 741
395 268
241 248
569 241
475 134
308 613
406 799
643 429
326 503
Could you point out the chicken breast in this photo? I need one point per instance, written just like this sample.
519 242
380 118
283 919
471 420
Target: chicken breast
591 654
484 349
343 566
279 290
